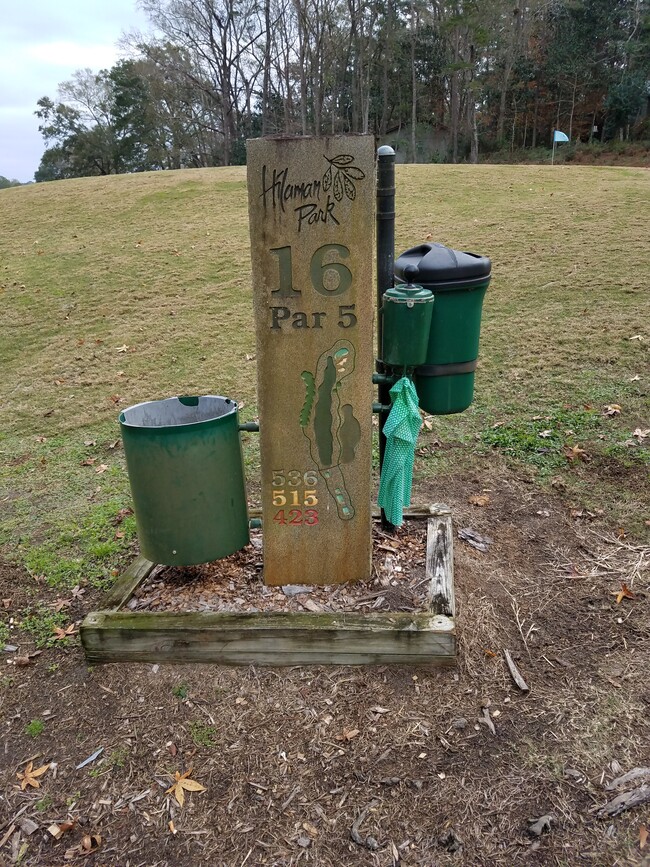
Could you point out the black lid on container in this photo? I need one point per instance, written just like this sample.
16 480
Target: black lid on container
441 267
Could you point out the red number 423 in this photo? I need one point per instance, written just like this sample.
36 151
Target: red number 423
297 517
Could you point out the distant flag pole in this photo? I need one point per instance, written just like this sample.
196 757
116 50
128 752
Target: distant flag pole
557 136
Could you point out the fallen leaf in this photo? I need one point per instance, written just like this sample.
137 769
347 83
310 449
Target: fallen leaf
545 434
347 734
641 434
643 836
64 633
28 658
41 439
575 452
635 378
582 513
57 831
121 515
115 398
613 409
101 469
123 348
489 653
29 776
90 842
183 784
119 535
479 500
623 593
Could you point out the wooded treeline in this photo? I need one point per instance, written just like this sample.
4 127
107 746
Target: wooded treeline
468 76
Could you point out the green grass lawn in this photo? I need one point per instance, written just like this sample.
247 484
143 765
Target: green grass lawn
128 288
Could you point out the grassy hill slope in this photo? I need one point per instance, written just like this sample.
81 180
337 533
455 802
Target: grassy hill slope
121 289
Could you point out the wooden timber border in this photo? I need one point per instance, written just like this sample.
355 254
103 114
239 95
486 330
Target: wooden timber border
333 638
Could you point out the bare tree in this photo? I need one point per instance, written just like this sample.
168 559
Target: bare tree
219 36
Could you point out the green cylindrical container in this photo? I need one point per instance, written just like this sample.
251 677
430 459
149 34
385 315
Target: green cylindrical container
458 280
184 459
406 311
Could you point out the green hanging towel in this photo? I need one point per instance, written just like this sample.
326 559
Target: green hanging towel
401 431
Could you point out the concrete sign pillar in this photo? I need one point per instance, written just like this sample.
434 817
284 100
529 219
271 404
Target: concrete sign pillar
311 209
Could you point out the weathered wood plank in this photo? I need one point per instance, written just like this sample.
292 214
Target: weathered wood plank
440 564
126 584
269 639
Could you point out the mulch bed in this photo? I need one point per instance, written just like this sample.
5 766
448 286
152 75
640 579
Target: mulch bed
235 583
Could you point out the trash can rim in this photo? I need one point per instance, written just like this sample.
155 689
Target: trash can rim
451 285
232 407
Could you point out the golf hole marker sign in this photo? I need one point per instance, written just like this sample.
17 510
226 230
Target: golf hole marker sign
311 213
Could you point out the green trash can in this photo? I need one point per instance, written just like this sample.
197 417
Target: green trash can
184 460
458 280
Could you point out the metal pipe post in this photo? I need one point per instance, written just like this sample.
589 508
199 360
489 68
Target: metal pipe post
385 275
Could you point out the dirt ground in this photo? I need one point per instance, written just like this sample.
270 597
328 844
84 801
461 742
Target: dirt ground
360 766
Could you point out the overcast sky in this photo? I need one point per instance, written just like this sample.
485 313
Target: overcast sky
42 42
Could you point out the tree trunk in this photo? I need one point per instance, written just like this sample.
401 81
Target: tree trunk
455 98
501 122
514 126
573 106
386 54
414 87
472 131
267 68
302 64
535 118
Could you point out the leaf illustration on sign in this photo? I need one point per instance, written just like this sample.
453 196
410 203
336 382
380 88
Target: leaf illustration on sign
340 176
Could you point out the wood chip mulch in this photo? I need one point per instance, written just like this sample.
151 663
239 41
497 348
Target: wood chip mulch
235 583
